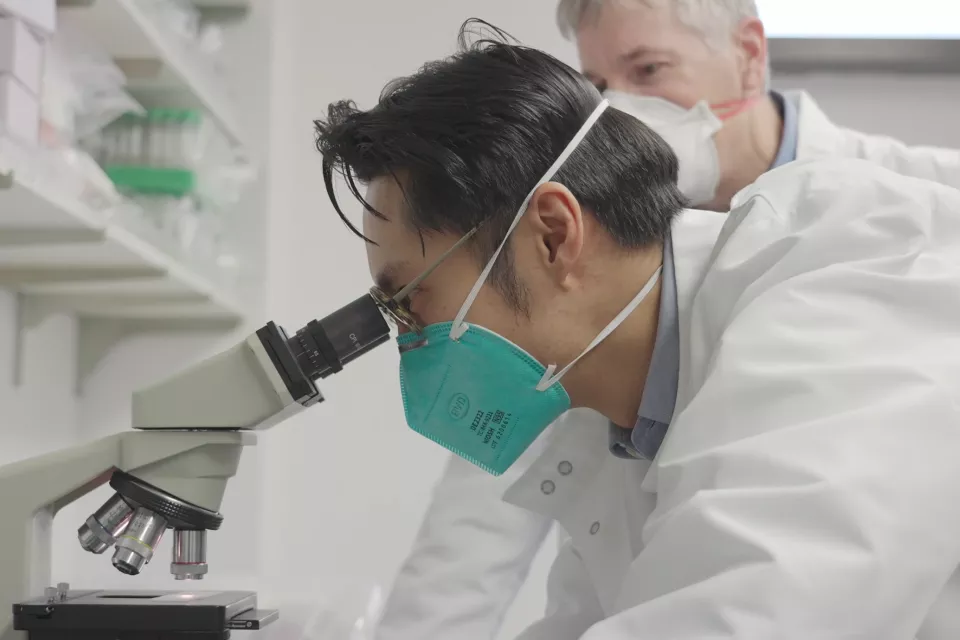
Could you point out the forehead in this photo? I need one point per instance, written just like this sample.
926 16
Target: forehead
385 195
621 27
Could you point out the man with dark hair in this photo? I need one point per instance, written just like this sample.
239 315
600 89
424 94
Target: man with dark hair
697 72
514 223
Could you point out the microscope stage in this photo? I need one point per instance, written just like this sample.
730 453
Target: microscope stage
141 615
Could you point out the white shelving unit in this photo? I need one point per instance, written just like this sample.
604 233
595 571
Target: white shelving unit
160 70
62 256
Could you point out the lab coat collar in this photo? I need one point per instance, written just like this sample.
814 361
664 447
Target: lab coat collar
817 135
543 488
694 235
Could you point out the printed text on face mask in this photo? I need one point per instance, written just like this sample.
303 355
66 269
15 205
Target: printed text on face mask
491 426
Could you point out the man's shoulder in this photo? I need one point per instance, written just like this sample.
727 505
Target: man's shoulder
816 214
834 172
814 186
821 138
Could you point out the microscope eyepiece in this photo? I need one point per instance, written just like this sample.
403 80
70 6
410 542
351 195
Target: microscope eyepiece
323 347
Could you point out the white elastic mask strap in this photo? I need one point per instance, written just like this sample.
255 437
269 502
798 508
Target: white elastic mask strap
459 327
549 378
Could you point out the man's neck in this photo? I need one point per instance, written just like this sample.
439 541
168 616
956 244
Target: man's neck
764 132
610 379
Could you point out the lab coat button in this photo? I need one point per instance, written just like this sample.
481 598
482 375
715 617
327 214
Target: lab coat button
594 528
565 468
547 487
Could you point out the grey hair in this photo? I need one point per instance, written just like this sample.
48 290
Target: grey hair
712 18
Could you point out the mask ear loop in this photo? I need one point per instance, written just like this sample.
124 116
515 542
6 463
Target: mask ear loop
460 327
549 379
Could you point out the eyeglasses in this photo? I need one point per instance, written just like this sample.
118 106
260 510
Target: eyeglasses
397 307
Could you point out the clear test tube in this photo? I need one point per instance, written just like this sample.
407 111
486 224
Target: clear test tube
109 144
174 139
158 141
150 134
124 151
174 126
136 139
190 137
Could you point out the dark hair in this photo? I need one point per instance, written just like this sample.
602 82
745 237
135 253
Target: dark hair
471 135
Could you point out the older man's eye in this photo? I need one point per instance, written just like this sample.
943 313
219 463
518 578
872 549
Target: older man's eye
645 73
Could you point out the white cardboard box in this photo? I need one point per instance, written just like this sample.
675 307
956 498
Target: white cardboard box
19 110
41 15
21 53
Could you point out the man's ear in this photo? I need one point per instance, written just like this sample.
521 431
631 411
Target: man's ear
751 40
556 220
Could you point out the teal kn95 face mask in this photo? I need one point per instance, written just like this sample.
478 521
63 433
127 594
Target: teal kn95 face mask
477 396
473 391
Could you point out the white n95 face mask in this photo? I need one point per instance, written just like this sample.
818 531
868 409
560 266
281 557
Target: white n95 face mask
688 132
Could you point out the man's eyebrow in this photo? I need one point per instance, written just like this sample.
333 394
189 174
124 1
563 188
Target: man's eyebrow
638 52
386 278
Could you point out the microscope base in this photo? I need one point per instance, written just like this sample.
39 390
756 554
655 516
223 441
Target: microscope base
141 615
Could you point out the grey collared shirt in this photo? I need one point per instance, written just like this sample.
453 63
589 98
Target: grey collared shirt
660 390
791 130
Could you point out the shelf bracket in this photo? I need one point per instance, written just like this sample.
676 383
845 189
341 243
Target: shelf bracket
30 314
19 337
97 336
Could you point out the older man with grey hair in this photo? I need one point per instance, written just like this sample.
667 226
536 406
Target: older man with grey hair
697 72
672 61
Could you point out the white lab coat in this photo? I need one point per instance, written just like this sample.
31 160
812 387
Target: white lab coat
471 556
809 485
474 551
818 137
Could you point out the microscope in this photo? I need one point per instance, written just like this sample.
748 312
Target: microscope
169 473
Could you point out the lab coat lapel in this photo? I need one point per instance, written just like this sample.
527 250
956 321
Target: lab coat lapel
579 483
817 136
564 472
695 233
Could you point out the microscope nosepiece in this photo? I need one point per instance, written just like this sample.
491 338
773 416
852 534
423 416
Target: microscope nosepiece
101 529
136 546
